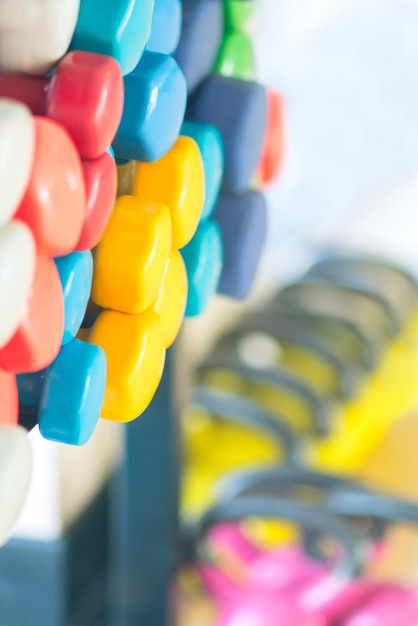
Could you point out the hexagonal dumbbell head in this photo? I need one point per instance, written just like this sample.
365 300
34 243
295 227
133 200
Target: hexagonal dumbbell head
54 203
9 400
272 153
177 180
37 340
135 352
100 181
236 56
132 258
210 144
15 473
239 110
155 102
67 398
201 35
35 35
117 29
203 257
17 269
243 222
17 138
166 26
85 94
76 273
170 304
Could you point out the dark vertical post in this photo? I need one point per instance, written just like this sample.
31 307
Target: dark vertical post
143 514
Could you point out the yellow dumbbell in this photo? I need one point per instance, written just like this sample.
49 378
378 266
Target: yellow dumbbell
177 180
131 260
135 351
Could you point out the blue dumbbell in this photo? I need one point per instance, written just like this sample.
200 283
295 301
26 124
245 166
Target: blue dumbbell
76 273
155 102
203 258
243 222
201 36
116 28
68 395
238 109
166 26
210 144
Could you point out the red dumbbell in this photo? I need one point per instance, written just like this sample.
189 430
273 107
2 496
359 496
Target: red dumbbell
9 413
85 94
100 181
54 204
38 338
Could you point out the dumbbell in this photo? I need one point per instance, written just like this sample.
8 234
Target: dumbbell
75 272
166 26
67 396
9 400
210 144
155 102
85 94
201 35
37 339
241 16
203 257
35 35
272 152
15 474
17 138
132 257
238 109
236 56
54 203
242 219
117 29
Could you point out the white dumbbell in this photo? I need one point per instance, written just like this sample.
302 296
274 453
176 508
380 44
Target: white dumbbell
15 473
17 268
35 34
17 142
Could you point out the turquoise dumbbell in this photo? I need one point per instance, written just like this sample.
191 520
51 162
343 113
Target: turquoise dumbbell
209 141
166 26
116 28
155 103
76 272
203 258
67 396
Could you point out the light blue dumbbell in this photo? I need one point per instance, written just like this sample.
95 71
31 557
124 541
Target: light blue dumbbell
209 140
155 102
76 273
166 26
203 258
68 395
116 28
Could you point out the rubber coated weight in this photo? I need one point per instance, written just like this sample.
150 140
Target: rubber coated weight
211 149
117 29
272 153
203 257
76 273
55 200
166 26
177 180
85 94
201 35
243 222
15 474
37 340
132 257
68 395
35 35
170 304
239 110
155 103
135 352
9 413
17 269
17 140
100 181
